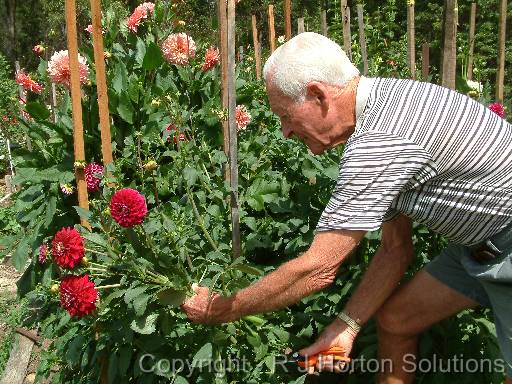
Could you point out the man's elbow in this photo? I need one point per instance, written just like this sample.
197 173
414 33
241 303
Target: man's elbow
317 281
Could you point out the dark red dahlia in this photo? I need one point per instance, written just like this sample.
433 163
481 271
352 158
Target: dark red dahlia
173 133
78 295
67 248
498 109
91 172
128 207
43 253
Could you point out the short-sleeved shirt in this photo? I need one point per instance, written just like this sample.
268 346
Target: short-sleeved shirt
433 154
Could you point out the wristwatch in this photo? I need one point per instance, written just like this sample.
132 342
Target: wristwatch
353 324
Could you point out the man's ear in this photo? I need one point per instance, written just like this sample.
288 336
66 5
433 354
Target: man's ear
317 91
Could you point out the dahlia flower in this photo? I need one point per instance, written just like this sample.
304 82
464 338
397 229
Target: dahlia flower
67 189
243 117
38 50
78 295
211 59
498 109
140 13
67 248
43 253
27 83
91 172
128 207
178 47
173 129
59 72
89 29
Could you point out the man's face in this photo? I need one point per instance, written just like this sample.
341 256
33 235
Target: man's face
307 121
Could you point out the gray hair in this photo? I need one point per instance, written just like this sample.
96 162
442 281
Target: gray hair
305 58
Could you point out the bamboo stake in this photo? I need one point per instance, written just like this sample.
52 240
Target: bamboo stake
300 25
257 58
76 103
23 96
288 19
101 82
271 26
323 21
223 36
425 61
500 76
411 48
233 144
54 103
450 45
362 38
347 38
471 53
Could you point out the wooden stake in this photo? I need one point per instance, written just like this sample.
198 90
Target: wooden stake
54 102
362 38
345 19
257 58
76 103
500 75
101 82
272 30
450 45
411 48
300 25
288 19
471 53
323 22
233 130
223 38
425 61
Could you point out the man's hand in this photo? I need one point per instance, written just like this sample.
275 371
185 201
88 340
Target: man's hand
200 307
337 334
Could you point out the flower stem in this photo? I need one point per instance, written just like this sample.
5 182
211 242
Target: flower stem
97 269
109 286
200 220
95 251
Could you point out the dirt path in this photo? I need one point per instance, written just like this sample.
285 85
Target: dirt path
8 278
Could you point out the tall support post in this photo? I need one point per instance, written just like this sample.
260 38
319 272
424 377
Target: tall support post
288 19
500 76
362 38
76 104
450 44
54 103
345 19
425 61
411 43
300 25
233 131
323 22
272 29
101 82
257 58
223 43
471 53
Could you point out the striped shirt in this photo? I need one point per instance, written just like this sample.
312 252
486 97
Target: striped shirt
435 155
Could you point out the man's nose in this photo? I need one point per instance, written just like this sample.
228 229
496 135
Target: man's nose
287 130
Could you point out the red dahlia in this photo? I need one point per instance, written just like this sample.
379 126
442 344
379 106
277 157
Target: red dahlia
67 248
128 207
93 181
78 295
498 109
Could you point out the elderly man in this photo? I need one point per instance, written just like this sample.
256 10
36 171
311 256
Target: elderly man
414 152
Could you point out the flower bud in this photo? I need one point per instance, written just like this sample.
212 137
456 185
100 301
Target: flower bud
151 165
54 289
85 261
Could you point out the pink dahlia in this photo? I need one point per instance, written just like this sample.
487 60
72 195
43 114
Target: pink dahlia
93 173
67 189
43 253
139 13
173 132
128 207
178 47
211 59
89 29
39 50
498 109
78 295
59 72
67 248
27 83
243 117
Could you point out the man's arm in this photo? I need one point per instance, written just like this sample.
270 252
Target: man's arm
292 281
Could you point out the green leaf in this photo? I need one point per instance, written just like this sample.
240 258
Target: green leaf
190 175
179 380
153 57
141 51
248 269
51 208
172 297
140 303
83 213
37 111
125 108
203 356
145 325
19 258
300 380
95 238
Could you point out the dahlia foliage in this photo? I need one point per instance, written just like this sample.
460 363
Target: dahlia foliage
178 48
59 71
